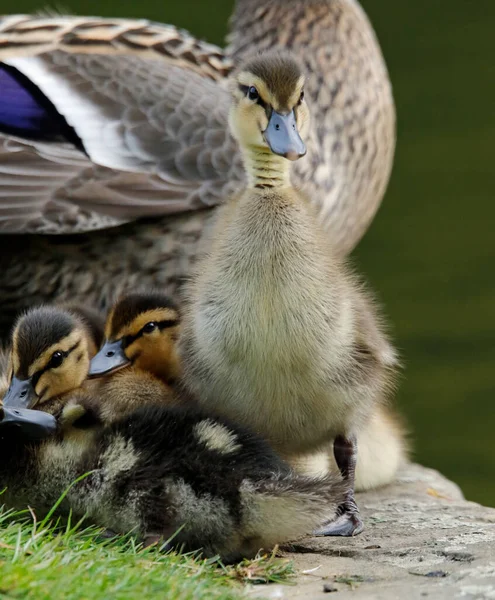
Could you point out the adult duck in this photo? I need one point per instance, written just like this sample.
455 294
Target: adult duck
107 122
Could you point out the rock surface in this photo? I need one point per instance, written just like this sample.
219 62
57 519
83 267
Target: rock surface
422 540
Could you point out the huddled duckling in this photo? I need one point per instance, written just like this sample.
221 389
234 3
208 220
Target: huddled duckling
159 471
54 351
278 335
138 362
49 357
140 327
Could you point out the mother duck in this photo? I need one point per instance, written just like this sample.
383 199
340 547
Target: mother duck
115 149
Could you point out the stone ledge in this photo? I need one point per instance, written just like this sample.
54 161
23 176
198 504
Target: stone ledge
422 540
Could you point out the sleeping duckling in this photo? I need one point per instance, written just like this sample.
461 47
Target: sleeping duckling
138 361
277 334
163 472
50 354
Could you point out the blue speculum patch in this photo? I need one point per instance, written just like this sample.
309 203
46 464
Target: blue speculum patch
27 113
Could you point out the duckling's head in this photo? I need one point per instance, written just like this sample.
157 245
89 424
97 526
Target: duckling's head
50 353
141 332
268 111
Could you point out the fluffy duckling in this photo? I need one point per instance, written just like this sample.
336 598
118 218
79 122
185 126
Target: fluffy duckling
163 472
50 354
141 331
138 361
278 335
52 348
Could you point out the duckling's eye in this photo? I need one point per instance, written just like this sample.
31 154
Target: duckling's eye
149 327
301 97
253 93
56 360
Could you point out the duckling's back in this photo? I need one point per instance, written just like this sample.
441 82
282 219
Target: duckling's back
216 486
163 471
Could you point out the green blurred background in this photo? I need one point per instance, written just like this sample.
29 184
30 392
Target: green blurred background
430 252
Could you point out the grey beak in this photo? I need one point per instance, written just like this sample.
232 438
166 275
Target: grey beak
20 394
33 424
283 137
110 358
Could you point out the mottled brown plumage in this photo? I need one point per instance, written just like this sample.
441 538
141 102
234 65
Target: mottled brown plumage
350 145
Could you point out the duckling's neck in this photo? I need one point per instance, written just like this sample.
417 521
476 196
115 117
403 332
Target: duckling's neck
265 169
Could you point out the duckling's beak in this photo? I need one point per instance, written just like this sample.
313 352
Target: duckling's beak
33 424
283 137
20 394
110 358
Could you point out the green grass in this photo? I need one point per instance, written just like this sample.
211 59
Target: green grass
42 560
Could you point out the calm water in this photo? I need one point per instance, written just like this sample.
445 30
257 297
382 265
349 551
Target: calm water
430 253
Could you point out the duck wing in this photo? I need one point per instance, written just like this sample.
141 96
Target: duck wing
106 121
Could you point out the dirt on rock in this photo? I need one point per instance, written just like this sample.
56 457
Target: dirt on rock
422 540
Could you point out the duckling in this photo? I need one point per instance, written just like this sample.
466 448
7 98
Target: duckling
141 330
138 362
277 333
140 338
163 472
50 354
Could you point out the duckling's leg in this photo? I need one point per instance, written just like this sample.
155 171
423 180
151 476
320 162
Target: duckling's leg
347 522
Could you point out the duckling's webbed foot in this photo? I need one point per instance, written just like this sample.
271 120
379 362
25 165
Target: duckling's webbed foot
347 521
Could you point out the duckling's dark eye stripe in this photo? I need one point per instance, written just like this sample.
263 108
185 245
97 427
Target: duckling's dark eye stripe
245 89
165 324
36 376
